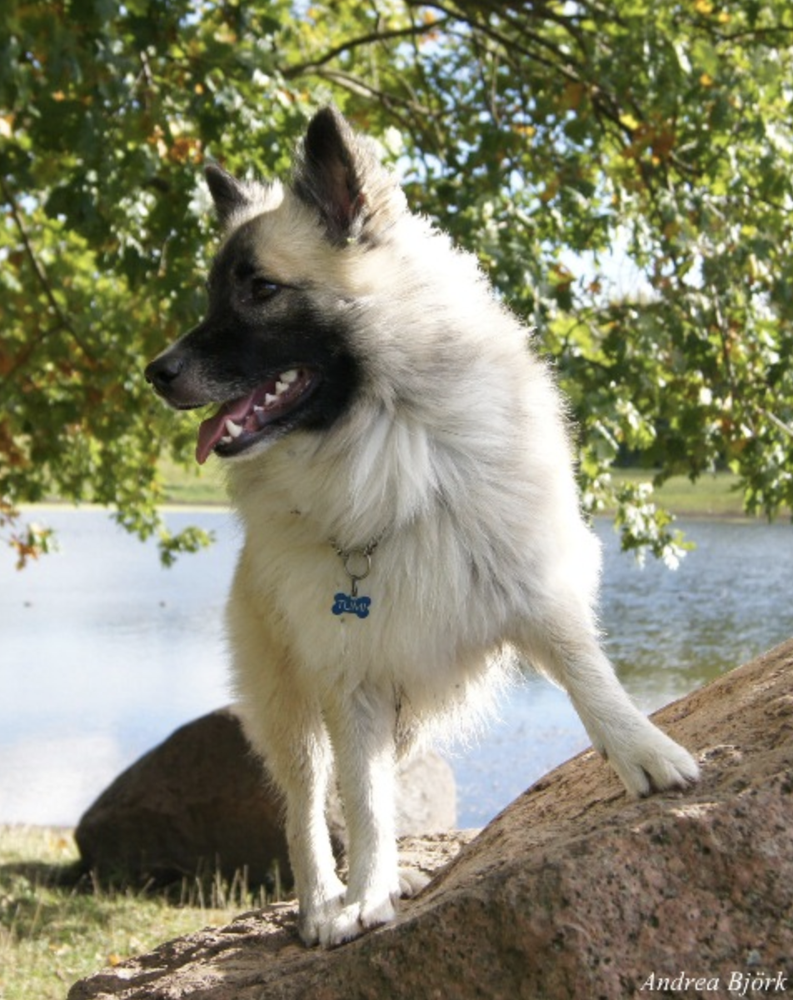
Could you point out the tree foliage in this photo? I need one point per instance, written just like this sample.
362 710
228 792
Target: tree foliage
560 141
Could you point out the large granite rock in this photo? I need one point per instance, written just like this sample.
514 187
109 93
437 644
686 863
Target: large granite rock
574 891
199 803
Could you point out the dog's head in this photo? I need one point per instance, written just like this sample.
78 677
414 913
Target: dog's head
275 349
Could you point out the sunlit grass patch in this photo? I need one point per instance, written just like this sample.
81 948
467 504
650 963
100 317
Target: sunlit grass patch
192 485
711 495
57 926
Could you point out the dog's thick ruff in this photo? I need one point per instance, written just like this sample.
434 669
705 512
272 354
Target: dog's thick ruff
408 411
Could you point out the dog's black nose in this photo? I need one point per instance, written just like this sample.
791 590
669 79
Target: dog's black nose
163 371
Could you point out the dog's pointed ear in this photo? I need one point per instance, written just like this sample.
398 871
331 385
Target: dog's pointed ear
228 194
331 174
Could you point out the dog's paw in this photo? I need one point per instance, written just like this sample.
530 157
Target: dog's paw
411 882
318 914
651 762
354 918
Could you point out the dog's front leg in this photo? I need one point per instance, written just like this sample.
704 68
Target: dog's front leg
362 726
283 720
569 654
319 890
297 751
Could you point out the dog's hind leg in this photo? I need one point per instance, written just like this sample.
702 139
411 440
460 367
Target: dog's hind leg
362 726
567 651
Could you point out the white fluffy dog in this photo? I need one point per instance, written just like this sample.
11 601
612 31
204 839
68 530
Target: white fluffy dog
400 461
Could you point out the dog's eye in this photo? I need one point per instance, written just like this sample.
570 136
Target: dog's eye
263 289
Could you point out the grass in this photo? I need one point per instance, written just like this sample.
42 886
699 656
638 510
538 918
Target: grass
56 928
194 486
710 496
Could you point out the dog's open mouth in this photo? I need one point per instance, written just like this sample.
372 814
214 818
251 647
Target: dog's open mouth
241 422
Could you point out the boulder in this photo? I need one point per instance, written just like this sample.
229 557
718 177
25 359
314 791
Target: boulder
573 891
199 803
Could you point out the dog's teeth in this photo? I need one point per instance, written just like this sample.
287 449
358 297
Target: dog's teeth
234 429
258 409
289 377
268 398
280 387
226 440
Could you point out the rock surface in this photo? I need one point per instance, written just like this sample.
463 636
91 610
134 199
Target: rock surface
574 891
199 802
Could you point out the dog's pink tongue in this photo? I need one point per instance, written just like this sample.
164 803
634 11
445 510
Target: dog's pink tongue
214 428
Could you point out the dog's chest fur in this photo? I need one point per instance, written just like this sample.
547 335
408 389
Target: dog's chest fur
459 555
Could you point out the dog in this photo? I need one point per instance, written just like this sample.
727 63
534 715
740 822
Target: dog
400 460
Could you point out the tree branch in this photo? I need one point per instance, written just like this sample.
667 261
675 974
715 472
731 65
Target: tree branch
787 428
545 52
354 43
41 274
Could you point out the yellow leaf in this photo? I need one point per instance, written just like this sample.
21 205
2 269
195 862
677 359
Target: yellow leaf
629 121
527 130
706 80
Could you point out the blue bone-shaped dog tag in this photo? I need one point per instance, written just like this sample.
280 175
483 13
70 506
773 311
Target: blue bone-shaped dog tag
347 604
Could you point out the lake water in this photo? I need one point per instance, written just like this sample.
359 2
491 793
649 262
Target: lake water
103 654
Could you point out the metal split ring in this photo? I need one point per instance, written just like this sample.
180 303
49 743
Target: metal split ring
354 576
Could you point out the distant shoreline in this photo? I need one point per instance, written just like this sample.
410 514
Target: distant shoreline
208 506
712 495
